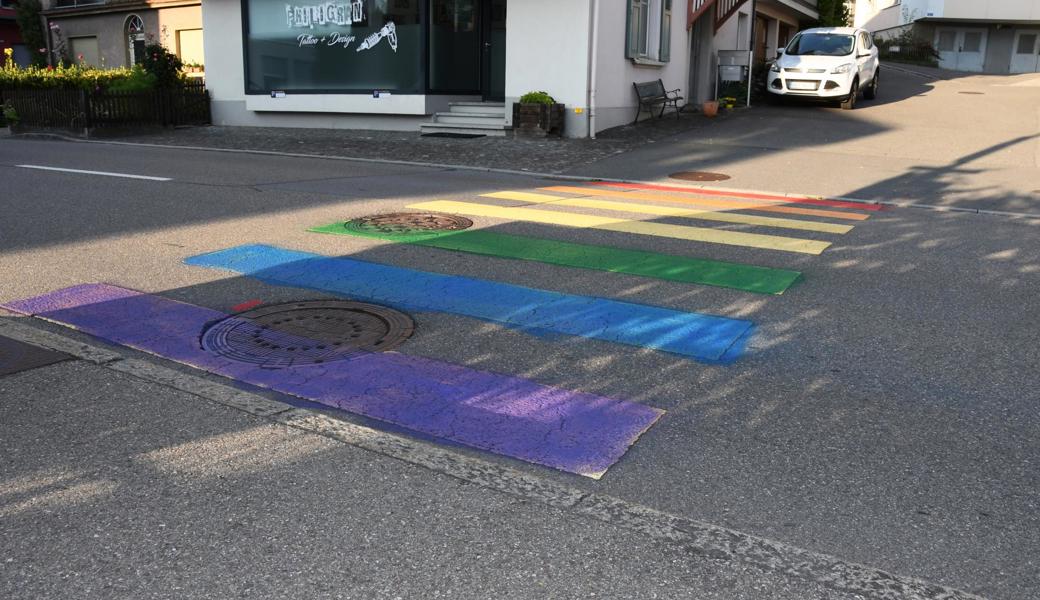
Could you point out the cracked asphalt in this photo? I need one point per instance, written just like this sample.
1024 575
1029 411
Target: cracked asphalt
885 412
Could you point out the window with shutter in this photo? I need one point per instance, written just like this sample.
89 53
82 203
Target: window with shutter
649 30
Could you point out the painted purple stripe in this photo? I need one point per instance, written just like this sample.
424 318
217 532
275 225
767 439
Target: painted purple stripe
571 431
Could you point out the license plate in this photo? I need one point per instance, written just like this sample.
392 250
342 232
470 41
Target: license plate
802 85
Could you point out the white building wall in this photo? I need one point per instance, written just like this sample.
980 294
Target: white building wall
878 15
616 100
547 49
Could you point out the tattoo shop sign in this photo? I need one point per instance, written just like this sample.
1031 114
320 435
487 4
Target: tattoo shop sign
339 14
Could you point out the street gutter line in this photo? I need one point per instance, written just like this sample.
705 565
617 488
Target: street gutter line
690 537
103 173
551 176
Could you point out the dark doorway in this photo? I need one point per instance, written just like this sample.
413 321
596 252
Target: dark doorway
493 55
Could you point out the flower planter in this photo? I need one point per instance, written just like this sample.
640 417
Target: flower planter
537 120
710 108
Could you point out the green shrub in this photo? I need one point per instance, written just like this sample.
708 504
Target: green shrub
70 77
162 63
138 80
537 98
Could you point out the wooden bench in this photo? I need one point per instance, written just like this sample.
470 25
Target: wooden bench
651 94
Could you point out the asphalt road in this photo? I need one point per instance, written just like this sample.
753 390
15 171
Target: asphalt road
971 141
885 413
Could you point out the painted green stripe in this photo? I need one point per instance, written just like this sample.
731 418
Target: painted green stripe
749 278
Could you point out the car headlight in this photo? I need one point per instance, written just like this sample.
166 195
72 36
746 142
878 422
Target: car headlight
845 68
775 68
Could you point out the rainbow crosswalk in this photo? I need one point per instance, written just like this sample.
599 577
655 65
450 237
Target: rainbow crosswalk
572 431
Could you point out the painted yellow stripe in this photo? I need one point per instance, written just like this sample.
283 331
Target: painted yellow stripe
681 232
759 205
672 211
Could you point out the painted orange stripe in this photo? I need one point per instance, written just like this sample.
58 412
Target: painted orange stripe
746 195
709 202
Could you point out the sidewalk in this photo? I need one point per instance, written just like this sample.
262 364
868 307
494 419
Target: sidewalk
542 156
117 487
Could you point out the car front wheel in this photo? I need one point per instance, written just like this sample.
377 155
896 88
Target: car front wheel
849 102
871 92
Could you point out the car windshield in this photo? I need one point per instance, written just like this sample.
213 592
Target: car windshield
821 44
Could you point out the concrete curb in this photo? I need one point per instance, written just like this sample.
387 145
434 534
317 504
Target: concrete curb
691 537
540 175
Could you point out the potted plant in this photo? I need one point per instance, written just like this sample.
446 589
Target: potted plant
537 114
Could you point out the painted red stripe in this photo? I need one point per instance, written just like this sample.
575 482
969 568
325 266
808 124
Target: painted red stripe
246 305
746 195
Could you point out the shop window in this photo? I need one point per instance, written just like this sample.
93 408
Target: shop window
649 30
341 46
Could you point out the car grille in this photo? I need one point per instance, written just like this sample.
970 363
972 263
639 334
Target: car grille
798 70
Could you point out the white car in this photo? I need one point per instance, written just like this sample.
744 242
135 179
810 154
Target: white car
830 63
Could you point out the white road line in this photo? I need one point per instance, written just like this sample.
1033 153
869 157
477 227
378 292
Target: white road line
105 173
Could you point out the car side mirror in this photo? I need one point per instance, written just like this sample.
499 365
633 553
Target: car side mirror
779 52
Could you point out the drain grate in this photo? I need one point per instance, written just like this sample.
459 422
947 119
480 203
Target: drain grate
18 356
307 333
408 223
973 93
699 176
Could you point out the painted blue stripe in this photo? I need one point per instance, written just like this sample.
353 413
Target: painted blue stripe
695 335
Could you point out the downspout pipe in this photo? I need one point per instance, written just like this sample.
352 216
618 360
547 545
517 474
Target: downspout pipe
751 50
593 62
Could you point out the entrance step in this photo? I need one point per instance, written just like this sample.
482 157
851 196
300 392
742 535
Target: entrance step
464 129
479 108
469 118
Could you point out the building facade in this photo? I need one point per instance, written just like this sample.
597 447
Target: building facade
400 64
982 36
11 35
113 33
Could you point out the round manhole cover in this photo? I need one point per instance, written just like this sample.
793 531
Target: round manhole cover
699 176
307 333
408 223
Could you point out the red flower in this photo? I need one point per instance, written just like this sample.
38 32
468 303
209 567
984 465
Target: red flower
50 67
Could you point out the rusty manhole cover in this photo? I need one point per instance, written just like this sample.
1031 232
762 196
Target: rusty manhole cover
698 176
408 223
307 333
18 356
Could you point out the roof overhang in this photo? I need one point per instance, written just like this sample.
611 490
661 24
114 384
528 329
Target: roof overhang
117 7
936 20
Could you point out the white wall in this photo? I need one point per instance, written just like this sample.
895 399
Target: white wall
616 100
996 10
877 15
547 49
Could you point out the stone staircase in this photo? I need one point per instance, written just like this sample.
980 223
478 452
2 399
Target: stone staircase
469 118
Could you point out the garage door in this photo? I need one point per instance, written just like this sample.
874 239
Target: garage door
1025 57
961 49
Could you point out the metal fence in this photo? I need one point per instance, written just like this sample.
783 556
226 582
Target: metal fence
82 110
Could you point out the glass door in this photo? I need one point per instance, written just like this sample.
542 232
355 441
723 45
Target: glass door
493 55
